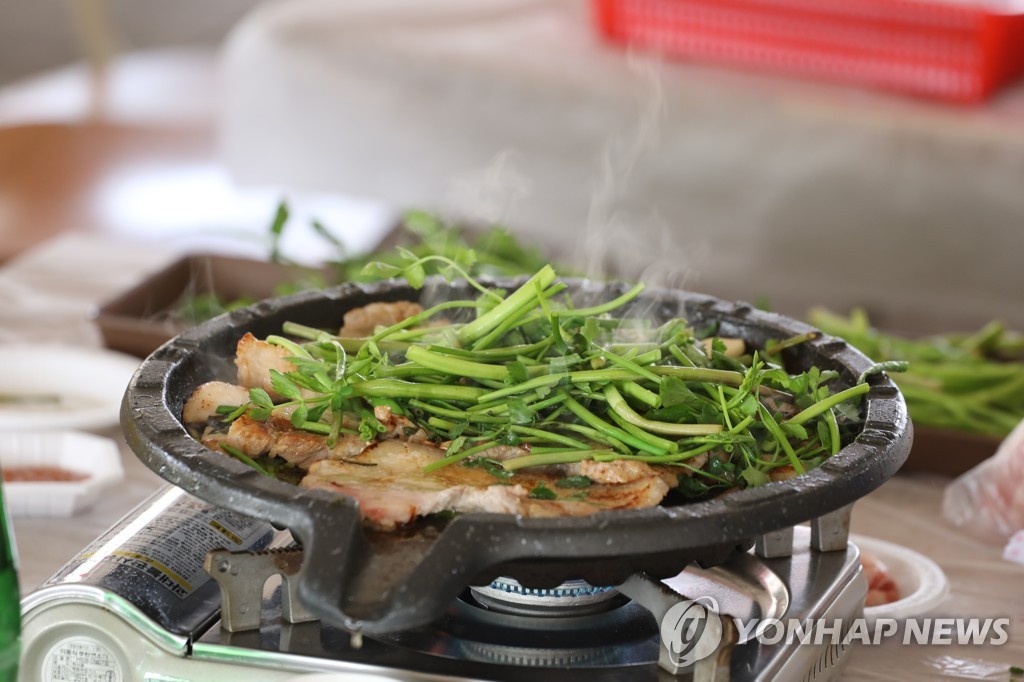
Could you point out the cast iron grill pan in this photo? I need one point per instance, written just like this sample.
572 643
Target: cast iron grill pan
377 583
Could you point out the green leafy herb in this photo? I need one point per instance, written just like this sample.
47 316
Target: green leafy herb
542 492
284 385
754 477
493 467
299 416
519 412
239 455
692 488
260 398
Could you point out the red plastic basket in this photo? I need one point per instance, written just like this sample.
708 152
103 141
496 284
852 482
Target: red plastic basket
955 52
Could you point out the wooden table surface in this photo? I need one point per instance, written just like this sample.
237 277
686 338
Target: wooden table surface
52 177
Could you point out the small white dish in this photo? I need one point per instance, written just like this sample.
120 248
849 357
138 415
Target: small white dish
922 585
61 387
95 457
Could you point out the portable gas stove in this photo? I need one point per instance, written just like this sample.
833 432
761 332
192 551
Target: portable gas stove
157 597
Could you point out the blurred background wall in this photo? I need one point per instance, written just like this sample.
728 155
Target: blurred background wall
36 35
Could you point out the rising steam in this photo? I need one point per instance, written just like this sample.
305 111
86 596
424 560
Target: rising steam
599 246
491 194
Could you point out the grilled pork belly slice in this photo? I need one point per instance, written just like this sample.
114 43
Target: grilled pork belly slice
364 321
276 437
388 481
386 476
203 403
616 471
255 359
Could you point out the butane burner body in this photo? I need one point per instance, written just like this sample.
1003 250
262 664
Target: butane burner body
132 606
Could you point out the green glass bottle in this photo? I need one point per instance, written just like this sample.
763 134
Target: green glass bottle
10 600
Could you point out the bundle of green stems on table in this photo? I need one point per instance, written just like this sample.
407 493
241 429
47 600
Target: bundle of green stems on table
964 382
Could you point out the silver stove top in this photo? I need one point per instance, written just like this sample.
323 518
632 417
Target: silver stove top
134 605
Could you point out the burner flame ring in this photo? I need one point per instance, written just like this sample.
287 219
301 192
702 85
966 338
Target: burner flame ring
571 598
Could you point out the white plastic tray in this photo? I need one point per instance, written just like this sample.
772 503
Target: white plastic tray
61 387
94 456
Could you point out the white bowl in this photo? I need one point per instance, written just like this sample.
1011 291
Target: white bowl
921 583
96 457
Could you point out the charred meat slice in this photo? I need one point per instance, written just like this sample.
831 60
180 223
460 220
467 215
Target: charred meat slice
386 475
275 437
388 481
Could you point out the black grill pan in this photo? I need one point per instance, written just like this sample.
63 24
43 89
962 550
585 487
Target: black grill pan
377 584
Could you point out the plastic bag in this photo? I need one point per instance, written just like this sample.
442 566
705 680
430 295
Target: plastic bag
988 500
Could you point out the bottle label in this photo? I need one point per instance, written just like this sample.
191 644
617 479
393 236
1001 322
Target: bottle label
81 659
